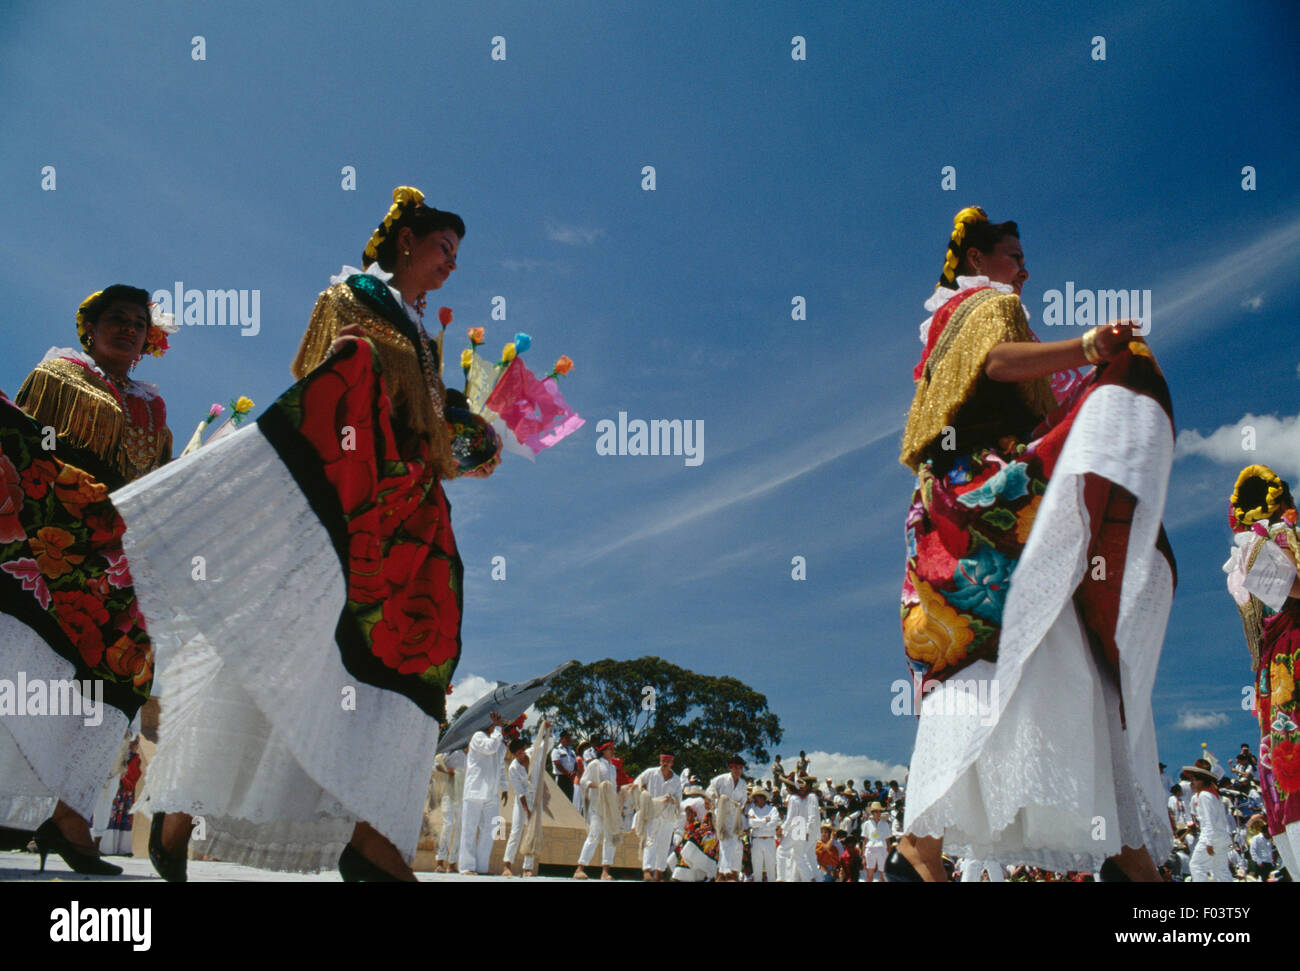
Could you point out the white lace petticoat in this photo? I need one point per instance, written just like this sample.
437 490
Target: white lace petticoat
264 734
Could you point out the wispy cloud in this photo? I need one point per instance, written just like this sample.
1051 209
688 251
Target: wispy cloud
573 235
750 481
1205 287
1265 439
837 766
1200 720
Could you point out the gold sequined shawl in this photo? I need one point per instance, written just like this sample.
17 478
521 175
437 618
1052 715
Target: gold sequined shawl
955 365
83 410
403 375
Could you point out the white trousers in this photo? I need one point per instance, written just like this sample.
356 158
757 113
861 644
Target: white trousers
1205 867
477 822
730 855
596 833
802 866
762 858
450 818
658 844
517 823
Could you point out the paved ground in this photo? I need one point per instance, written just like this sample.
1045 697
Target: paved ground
19 866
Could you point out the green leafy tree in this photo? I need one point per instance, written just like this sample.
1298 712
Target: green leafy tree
648 706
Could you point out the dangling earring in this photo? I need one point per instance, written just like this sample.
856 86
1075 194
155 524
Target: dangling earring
407 254
134 363
90 341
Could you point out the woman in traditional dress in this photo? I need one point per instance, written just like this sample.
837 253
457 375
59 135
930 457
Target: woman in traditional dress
107 423
68 609
1262 578
304 692
1049 601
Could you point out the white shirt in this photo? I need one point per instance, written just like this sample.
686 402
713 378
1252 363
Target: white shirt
520 785
598 771
877 832
802 818
563 761
483 766
1261 850
1179 810
762 821
1213 820
724 785
652 781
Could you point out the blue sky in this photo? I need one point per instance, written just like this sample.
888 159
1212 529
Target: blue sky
776 178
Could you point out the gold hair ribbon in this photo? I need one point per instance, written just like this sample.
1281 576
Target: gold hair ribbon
403 195
1248 517
81 315
969 215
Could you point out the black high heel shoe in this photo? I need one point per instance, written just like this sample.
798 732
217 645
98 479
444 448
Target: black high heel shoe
355 868
899 870
170 868
50 840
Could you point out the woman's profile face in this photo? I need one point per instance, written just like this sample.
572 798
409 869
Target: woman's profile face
1006 264
433 257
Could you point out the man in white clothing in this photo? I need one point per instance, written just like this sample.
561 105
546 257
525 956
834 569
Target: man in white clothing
480 809
452 767
517 778
799 833
660 804
1210 858
604 814
729 792
762 821
876 829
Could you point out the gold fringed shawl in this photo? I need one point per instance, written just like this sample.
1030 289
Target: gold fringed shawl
955 365
1252 612
404 377
84 412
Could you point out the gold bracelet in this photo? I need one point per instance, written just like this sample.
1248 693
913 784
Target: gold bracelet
1090 351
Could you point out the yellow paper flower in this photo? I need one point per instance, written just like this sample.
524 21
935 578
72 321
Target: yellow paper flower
934 633
466 358
1282 682
508 353
243 405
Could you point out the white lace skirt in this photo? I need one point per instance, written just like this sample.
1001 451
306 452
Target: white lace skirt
1042 773
264 736
1056 785
45 758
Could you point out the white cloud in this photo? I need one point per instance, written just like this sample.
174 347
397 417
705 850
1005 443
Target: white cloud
466 690
1196 720
1254 304
573 235
1276 443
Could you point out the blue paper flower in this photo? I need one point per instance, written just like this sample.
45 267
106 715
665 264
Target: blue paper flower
522 343
1010 483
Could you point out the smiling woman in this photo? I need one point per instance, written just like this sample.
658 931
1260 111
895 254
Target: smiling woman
107 423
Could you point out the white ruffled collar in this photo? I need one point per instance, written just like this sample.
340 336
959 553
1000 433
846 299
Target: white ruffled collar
942 295
382 276
139 389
